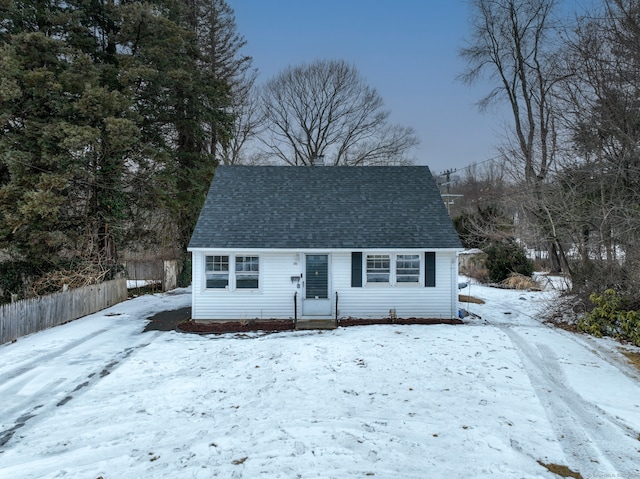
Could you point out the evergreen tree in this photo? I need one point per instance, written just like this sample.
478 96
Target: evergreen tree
183 108
506 257
107 110
66 134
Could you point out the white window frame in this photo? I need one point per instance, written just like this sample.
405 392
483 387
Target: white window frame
393 269
417 274
252 271
378 267
214 266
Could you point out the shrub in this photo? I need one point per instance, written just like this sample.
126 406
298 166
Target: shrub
184 277
521 282
14 276
505 258
610 317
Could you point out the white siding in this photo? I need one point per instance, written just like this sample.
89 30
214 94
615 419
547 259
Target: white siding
274 298
409 300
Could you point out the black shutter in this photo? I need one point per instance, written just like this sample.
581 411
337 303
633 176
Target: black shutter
430 269
356 270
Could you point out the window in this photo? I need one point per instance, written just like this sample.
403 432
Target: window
247 272
378 268
217 271
408 268
392 269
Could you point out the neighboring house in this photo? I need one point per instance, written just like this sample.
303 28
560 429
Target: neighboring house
278 242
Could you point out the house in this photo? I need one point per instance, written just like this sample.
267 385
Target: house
280 242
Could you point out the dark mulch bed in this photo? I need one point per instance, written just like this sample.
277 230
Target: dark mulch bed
235 326
288 325
365 322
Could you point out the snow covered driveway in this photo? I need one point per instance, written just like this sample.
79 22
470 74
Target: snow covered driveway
493 398
587 388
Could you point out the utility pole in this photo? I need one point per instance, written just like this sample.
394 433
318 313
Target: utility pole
448 184
447 196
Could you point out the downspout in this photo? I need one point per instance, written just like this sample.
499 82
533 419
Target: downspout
454 286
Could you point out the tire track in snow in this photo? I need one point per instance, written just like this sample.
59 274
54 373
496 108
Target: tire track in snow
18 407
43 358
26 414
595 443
611 357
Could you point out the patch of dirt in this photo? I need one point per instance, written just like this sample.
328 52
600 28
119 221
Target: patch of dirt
365 322
562 471
219 327
180 320
633 357
464 298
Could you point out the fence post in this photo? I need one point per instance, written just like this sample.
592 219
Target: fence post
169 275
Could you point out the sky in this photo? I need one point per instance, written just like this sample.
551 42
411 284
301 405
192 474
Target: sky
406 49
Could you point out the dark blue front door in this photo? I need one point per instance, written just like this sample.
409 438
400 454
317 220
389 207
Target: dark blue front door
317 301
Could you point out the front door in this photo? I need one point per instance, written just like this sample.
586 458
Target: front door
316 286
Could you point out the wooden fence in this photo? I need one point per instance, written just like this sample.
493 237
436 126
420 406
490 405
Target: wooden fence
32 315
164 272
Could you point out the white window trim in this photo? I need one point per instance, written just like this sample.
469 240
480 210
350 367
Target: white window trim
206 272
231 285
366 269
420 270
393 267
246 273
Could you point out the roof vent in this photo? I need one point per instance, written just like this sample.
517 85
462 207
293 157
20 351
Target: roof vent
318 160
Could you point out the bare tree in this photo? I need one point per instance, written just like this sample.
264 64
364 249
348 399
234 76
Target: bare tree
480 211
601 181
512 42
326 110
248 123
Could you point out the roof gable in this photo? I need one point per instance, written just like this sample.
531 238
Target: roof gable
329 207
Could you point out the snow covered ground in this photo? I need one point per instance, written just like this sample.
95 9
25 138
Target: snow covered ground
495 397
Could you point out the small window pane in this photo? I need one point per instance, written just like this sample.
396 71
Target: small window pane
247 263
217 280
247 272
378 268
408 268
217 271
217 263
247 281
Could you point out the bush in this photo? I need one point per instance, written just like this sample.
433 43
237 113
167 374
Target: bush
589 275
184 277
521 282
610 317
14 277
505 258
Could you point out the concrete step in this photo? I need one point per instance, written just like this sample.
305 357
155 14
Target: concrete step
316 324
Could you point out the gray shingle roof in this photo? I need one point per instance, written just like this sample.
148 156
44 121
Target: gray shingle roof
324 207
